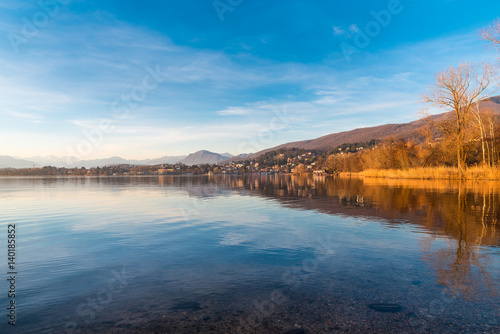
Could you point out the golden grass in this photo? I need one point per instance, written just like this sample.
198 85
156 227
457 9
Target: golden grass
440 173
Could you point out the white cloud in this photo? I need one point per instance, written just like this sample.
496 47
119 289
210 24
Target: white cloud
24 115
21 97
353 28
232 111
337 31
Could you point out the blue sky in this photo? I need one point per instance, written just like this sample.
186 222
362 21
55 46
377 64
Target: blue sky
143 79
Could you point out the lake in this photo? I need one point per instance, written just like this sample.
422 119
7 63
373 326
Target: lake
250 254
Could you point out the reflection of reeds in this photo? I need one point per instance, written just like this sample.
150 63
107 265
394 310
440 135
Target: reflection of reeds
440 185
441 173
439 203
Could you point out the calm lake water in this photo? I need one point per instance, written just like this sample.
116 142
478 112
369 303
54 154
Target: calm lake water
256 254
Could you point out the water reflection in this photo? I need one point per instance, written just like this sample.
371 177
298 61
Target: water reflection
460 217
464 213
221 243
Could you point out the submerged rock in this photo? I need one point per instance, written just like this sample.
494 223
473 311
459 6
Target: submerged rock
386 307
297 331
186 306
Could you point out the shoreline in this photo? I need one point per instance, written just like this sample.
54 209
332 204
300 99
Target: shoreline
421 173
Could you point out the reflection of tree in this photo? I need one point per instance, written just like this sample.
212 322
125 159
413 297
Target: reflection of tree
461 266
462 270
464 213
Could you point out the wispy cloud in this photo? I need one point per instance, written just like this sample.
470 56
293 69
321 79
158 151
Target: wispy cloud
338 31
233 111
353 28
29 116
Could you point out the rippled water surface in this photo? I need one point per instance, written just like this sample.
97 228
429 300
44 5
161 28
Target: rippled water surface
254 254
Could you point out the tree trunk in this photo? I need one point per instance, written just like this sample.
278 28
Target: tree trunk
493 148
459 154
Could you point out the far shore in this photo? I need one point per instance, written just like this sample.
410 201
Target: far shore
476 173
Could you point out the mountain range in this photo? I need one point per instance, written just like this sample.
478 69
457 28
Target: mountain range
197 158
72 162
8 161
411 130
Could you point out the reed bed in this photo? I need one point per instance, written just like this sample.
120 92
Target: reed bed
441 173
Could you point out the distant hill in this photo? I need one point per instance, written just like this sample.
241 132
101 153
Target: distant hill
158 161
72 162
8 161
51 160
118 161
328 142
203 157
405 130
101 162
239 157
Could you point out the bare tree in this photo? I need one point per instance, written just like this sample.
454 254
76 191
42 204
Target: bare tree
492 33
483 132
458 89
486 123
492 147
